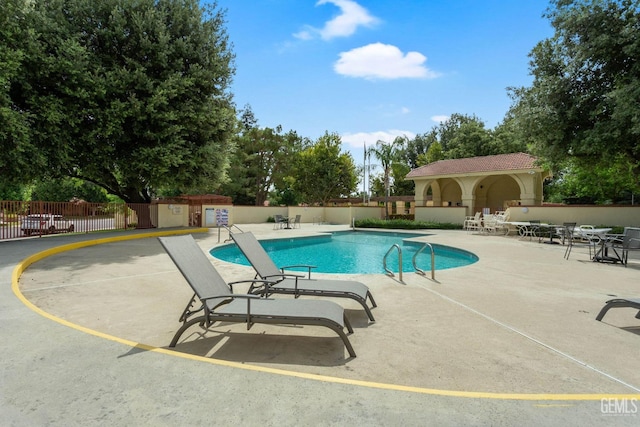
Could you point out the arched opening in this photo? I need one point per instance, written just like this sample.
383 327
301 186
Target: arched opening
497 193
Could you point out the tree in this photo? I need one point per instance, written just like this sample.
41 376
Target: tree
324 172
506 138
418 147
11 191
605 184
583 103
401 187
464 136
388 153
433 154
262 161
66 189
17 152
131 95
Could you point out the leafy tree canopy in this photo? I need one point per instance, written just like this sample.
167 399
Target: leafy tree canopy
463 136
583 104
263 160
131 95
17 152
323 172
67 189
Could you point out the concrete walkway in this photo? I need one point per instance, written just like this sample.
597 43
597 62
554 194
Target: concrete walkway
510 340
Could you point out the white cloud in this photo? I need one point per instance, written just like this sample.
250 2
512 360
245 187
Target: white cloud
382 61
405 110
440 119
359 139
303 35
351 16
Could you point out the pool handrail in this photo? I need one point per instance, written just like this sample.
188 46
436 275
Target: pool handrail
229 228
384 261
433 261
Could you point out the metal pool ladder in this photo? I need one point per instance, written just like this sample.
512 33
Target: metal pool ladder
413 260
384 261
433 261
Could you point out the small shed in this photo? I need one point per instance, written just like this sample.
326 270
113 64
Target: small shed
484 183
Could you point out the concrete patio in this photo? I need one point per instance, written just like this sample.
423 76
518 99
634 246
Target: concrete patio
511 339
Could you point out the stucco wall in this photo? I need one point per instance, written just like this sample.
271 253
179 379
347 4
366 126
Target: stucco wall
256 214
172 215
309 214
625 216
453 214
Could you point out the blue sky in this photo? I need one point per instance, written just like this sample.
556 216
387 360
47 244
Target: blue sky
375 69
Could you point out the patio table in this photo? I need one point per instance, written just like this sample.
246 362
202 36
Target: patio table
607 242
550 230
525 228
287 222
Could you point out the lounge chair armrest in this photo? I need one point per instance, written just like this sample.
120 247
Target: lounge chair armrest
252 281
308 267
231 296
283 276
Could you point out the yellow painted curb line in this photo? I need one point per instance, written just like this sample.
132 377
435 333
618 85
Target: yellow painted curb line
24 264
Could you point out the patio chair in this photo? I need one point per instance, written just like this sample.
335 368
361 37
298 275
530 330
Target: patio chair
502 216
492 224
295 284
620 302
630 242
279 222
581 236
565 231
473 222
220 304
296 221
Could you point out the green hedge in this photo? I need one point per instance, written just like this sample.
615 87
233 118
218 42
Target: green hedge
405 224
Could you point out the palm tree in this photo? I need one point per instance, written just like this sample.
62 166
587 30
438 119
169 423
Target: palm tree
387 153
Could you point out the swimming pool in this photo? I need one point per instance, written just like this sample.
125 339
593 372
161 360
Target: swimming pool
355 252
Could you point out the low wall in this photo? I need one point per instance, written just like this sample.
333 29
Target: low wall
624 216
308 214
170 215
253 214
441 214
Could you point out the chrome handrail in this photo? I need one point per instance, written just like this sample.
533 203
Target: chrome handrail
384 261
228 228
433 261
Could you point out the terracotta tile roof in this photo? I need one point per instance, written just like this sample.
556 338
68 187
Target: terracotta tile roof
499 162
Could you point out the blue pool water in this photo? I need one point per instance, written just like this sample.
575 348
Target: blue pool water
358 252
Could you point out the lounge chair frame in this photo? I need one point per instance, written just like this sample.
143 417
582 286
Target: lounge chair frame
295 284
219 303
619 302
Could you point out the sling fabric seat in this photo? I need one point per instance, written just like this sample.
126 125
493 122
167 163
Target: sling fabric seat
620 302
292 284
219 303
